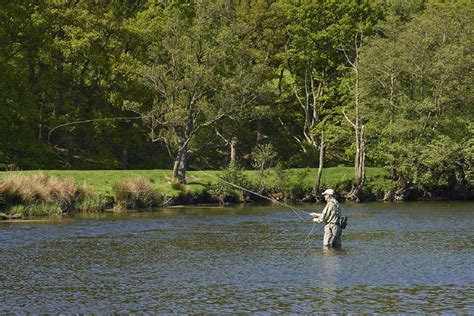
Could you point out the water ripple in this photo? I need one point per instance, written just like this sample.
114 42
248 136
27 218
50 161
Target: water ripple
242 260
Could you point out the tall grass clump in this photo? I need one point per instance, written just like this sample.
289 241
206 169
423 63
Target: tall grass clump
134 192
38 194
89 201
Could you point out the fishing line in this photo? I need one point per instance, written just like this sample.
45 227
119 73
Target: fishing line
294 209
306 239
89 121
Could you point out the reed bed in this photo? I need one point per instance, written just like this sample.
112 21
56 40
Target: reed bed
41 194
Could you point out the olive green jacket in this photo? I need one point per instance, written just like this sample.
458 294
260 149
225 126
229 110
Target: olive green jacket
330 214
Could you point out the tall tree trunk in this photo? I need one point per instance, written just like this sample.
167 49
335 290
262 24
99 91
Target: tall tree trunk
40 122
359 162
58 104
124 159
359 167
311 105
181 161
233 150
180 166
317 185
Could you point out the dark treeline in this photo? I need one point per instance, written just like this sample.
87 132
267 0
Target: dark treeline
208 83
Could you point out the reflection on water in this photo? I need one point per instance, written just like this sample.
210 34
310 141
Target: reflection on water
396 258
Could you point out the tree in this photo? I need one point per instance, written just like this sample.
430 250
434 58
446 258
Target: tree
419 98
357 121
60 63
23 38
199 72
312 60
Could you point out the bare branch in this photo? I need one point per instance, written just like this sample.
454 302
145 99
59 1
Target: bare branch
295 90
222 137
347 118
296 138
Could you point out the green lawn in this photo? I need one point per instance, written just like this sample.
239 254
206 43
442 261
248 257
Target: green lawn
102 181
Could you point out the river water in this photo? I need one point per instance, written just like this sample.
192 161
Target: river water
396 258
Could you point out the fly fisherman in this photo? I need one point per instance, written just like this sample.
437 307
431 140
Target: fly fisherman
330 217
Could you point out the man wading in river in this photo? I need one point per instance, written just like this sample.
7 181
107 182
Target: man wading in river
330 217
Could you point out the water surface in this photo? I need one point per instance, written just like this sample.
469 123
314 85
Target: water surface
396 258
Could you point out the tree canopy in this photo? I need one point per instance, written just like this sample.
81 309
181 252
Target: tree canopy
200 84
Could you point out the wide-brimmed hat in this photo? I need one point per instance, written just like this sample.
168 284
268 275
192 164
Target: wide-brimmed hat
329 192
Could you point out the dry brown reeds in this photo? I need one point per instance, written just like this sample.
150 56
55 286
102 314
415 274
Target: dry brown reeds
24 189
134 192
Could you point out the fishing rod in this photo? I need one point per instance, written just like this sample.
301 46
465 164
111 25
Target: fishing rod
294 209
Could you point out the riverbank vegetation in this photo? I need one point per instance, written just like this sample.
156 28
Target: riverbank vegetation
41 194
287 90
49 192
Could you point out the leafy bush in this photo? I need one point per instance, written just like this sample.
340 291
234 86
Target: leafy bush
379 188
262 159
222 191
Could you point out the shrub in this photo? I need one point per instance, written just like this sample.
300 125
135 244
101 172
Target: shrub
224 192
262 159
18 209
379 188
134 192
295 191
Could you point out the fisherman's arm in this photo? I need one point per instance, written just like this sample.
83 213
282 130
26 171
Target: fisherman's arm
319 217
316 217
326 213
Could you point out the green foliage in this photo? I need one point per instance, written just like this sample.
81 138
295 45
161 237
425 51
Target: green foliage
199 70
209 77
36 209
446 171
263 156
291 183
223 192
419 98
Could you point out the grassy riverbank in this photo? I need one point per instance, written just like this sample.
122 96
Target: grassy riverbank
102 181
57 191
